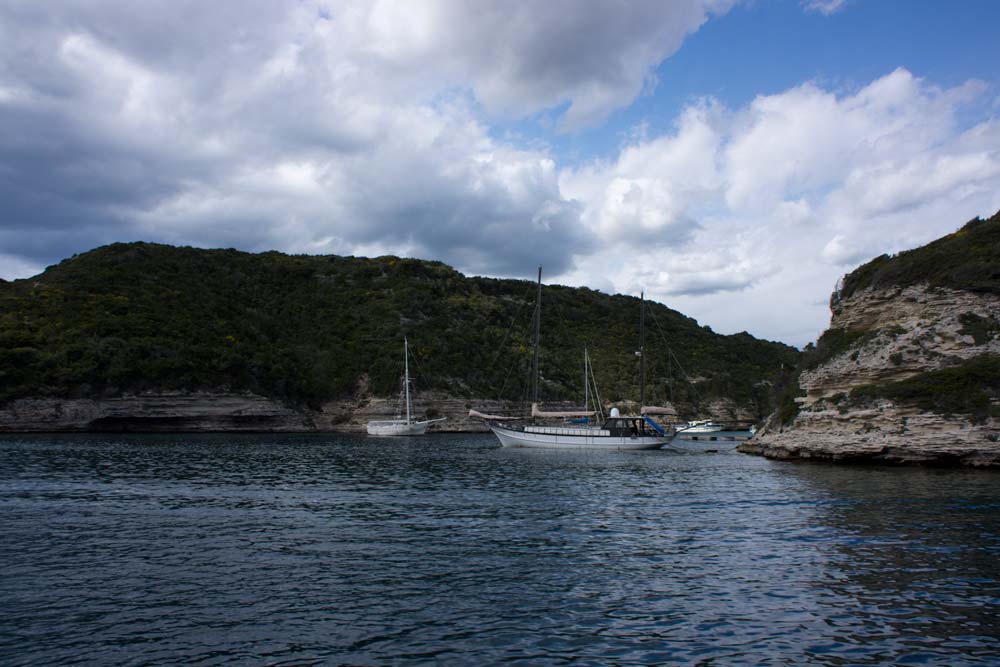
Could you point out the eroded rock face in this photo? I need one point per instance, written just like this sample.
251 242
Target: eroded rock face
164 412
907 331
727 409
224 412
221 411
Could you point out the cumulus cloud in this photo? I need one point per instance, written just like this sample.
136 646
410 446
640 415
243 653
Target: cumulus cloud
656 189
522 58
748 205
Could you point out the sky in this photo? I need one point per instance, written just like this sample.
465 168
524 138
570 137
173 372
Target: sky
731 159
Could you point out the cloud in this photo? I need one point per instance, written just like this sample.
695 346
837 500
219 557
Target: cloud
13 267
523 58
789 191
824 7
655 191
320 127
842 252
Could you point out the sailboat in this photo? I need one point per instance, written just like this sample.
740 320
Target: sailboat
616 432
408 426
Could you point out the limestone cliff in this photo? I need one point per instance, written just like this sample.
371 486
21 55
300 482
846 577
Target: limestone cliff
153 412
905 373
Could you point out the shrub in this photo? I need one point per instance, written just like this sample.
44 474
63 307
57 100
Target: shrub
967 388
834 342
967 260
982 329
788 408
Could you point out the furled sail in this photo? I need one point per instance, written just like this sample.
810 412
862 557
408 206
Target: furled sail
476 414
535 412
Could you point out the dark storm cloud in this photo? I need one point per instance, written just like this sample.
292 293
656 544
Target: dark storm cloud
307 127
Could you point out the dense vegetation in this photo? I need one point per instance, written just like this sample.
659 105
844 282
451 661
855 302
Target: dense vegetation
967 388
831 343
304 329
969 260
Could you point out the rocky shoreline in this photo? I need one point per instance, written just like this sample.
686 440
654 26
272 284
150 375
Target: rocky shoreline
195 412
885 435
219 412
946 443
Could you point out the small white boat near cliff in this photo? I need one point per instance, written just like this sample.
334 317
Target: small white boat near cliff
700 427
402 426
705 435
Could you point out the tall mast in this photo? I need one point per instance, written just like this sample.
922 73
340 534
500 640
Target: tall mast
406 377
670 374
538 322
586 382
642 350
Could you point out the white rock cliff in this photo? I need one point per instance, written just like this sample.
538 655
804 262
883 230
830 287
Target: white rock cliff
903 332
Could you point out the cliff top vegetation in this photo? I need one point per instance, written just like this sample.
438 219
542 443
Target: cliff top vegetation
968 259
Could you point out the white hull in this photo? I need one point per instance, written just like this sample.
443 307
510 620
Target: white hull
396 428
700 430
408 426
707 441
572 438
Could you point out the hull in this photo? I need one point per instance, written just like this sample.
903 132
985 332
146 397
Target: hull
708 441
701 430
572 438
397 428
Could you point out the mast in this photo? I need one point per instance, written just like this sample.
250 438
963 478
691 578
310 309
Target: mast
670 375
586 382
406 377
642 350
538 322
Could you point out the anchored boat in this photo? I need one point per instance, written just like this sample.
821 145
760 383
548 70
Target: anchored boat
399 426
616 432
707 435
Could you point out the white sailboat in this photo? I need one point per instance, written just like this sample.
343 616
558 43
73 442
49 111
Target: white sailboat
617 432
408 426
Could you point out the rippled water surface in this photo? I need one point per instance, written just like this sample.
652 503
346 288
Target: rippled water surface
265 549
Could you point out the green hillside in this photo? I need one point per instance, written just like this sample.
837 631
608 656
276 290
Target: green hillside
303 329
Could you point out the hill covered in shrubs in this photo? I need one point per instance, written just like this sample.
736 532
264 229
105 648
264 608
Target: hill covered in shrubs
305 329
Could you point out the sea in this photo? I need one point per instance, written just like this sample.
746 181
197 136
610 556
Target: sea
231 549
